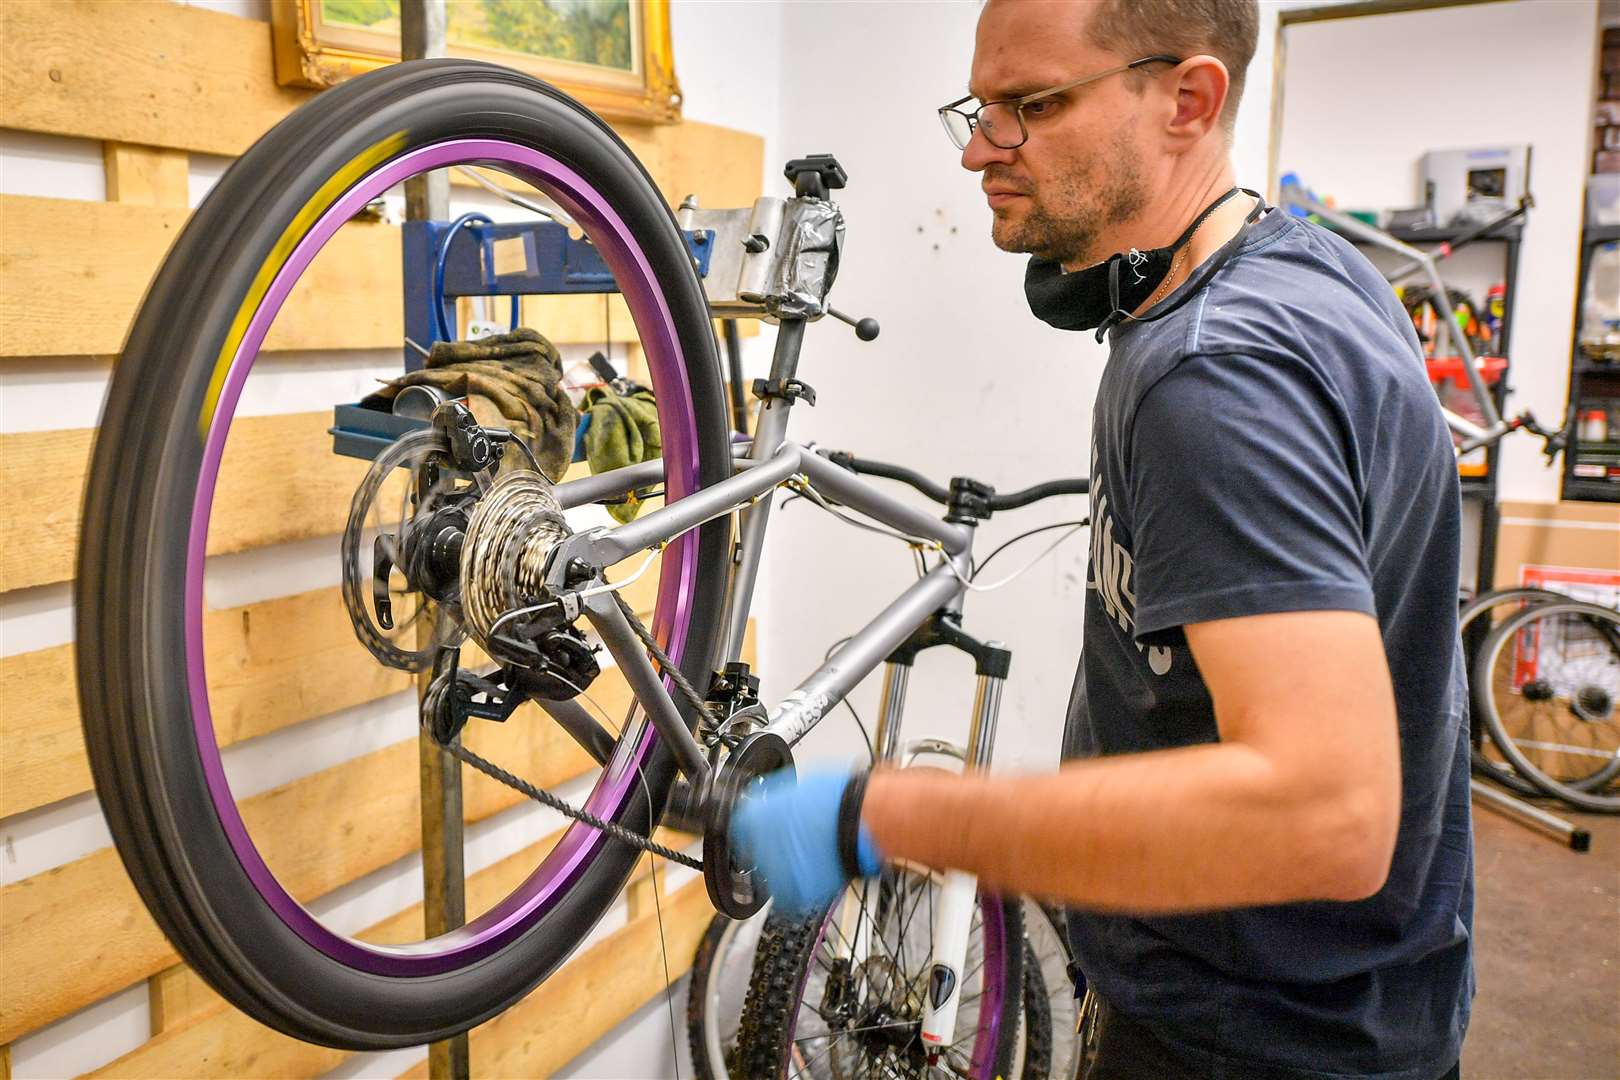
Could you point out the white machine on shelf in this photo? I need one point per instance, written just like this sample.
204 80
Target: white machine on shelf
1473 185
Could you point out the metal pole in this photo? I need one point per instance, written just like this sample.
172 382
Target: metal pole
444 893
1576 837
421 37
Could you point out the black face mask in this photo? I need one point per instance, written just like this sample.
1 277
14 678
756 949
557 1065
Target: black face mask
1105 294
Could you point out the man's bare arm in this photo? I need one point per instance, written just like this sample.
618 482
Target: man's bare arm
1300 800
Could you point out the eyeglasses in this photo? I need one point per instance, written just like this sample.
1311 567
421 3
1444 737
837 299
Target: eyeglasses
1003 121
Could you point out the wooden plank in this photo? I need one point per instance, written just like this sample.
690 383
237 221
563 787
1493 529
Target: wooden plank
87 265
222 1041
317 833
271 664
176 996
140 73
283 462
147 175
642 894
588 998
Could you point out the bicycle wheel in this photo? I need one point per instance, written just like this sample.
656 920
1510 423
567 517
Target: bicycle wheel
1547 684
725 957
153 726
1034 1054
813 1011
1057 1010
1488 609
714 997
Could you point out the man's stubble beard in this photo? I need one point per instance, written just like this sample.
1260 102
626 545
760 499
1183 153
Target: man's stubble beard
1062 221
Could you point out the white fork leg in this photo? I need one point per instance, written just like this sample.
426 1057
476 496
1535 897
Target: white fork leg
953 918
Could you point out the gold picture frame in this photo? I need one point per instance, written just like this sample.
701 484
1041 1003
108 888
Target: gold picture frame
320 43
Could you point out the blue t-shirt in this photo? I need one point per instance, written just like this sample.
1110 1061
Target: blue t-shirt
1274 445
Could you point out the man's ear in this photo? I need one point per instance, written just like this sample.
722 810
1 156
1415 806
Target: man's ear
1200 84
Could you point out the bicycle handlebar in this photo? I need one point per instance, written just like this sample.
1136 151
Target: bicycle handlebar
1012 500
1078 485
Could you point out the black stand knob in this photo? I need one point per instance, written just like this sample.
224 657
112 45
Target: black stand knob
866 329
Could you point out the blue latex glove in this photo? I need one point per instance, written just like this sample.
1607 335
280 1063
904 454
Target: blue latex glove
788 828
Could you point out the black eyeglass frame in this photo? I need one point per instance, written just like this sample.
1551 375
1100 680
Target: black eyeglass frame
1018 103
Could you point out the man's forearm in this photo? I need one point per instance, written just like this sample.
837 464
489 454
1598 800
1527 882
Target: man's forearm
1187 829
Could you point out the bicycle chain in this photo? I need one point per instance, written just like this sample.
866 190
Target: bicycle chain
683 687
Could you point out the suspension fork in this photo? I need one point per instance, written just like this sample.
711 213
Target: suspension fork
958 894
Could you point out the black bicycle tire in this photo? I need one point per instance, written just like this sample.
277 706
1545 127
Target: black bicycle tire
1037 1020
1476 607
710 952
131 565
1578 797
786 949
1062 1029
704 959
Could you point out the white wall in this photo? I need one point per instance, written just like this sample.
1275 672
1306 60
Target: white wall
962 380
1364 98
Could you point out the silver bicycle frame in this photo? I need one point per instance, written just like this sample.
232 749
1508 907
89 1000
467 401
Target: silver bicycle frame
747 491
768 461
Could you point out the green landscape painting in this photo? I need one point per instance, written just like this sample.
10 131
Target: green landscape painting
585 31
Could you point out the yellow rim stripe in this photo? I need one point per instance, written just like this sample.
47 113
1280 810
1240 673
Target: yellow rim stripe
329 193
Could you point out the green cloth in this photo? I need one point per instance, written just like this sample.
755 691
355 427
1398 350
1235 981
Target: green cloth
519 373
623 431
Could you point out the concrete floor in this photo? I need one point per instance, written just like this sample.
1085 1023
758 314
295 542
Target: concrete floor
1547 926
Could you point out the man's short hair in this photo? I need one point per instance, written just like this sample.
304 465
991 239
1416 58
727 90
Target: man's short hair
1224 29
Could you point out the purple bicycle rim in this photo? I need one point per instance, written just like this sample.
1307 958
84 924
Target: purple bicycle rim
549 882
992 924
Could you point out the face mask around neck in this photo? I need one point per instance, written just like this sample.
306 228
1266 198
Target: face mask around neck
1105 293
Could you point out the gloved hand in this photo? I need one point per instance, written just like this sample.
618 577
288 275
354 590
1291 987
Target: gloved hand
804 836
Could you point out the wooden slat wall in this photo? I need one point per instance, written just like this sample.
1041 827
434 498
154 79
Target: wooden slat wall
317 833
216 1040
87 264
155 83
189 79
565 1013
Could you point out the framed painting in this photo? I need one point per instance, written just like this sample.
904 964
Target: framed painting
613 55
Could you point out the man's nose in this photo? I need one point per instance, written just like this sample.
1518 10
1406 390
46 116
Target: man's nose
981 153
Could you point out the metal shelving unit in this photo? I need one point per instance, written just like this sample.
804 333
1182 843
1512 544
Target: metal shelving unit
1585 371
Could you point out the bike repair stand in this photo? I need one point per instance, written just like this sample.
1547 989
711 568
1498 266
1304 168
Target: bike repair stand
1577 838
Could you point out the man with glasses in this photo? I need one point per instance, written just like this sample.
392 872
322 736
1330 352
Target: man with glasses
1263 836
